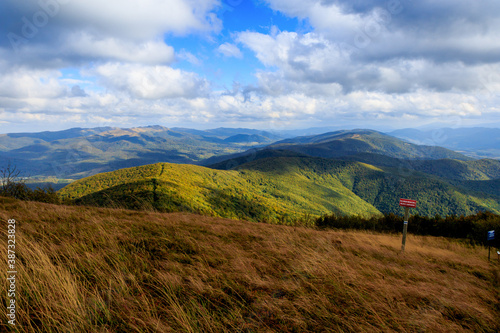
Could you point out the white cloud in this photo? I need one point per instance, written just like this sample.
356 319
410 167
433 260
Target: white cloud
79 31
230 50
151 82
149 52
126 19
314 60
365 62
144 19
23 83
439 31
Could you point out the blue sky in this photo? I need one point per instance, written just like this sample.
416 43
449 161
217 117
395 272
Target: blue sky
270 64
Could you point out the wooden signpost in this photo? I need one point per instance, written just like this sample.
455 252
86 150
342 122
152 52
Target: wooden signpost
407 204
491 237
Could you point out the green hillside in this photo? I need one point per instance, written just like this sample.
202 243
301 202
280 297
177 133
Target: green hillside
278 189
345 143
484 169
434 195
382 187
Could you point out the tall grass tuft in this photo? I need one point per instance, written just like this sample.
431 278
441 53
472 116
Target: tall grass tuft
83 269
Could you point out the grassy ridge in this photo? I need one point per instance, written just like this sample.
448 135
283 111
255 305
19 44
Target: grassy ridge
282 189
272 190
84 269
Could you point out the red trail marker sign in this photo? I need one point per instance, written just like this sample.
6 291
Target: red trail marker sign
407 204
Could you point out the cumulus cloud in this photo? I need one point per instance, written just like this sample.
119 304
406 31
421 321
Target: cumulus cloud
230 50
63 33
444 20
383 61
360 61
31 84
151 82
313 59
149 52
127 19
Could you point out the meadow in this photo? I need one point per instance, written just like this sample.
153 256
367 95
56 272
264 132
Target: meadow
87 269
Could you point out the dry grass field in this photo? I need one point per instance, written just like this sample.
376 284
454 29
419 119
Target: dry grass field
83 269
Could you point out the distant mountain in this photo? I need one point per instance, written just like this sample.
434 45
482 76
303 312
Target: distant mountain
272 187
20 140
345 143
80 152
247 138
224 133
362 145
476 141
77 152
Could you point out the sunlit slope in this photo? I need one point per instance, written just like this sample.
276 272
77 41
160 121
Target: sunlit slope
87 269
382 187
279 189
272 189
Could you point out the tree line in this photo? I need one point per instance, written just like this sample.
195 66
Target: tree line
14 186
472 227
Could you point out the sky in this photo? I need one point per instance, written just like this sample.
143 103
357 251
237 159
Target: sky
267 64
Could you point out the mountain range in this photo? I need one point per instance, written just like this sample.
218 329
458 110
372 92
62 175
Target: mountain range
477 142
276 184
257 175
77 152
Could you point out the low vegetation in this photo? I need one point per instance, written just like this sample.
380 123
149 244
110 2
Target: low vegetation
83 269
14 186
473 228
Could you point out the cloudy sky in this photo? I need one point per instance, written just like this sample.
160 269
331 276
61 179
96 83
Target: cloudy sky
271 64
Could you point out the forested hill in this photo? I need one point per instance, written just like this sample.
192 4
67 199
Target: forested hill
277 188
345 143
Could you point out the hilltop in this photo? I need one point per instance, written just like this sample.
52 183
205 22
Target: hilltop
278 190
345 143
83 269
281 188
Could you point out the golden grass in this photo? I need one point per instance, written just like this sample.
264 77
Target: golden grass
86 269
